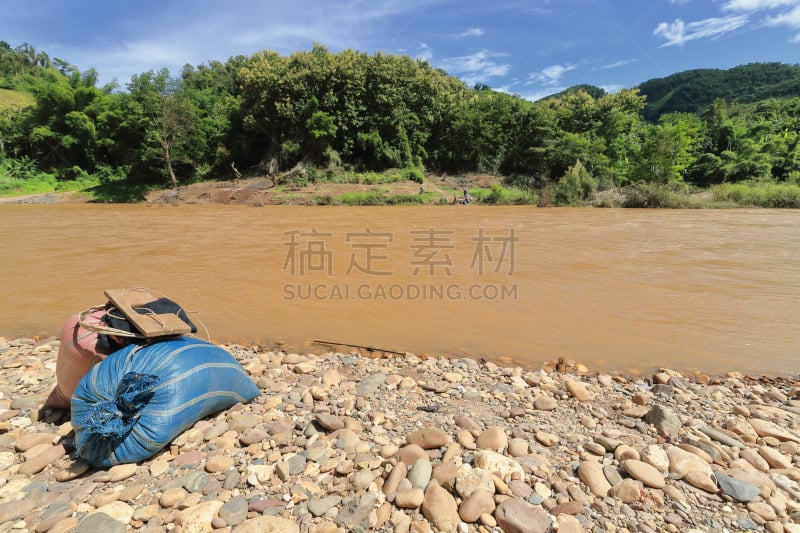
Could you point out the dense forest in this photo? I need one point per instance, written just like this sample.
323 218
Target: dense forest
325 112
692 91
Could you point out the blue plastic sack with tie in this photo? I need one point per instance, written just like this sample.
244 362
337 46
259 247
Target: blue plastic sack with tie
135 402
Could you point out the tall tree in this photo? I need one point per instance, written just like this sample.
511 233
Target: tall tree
668 148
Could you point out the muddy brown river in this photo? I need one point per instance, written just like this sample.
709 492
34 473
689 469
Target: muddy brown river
713 290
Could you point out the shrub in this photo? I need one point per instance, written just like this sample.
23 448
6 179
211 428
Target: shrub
324 199
347 177
415 174
644 194
576 186
499 195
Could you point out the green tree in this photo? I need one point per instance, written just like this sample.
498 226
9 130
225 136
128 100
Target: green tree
668 148
160 128
61 130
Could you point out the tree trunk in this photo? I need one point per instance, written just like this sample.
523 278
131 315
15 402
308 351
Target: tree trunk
169 167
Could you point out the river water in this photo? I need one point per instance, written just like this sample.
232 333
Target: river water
617 290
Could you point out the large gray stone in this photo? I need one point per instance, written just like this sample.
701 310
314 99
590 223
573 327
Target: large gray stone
737 489
100 522
234 512
664 420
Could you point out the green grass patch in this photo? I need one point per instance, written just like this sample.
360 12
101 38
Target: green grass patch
11 186
409 199
19 177
499 195
758 194
10 98
374 197
394 175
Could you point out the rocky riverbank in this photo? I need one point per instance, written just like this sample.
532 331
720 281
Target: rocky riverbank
348 442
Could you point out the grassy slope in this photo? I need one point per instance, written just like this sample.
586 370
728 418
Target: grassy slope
10 98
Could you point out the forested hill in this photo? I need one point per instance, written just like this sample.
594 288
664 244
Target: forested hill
318 115
692 91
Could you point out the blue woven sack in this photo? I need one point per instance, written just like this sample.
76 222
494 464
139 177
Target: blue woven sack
140 398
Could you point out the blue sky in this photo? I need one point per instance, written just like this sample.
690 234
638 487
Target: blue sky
526 47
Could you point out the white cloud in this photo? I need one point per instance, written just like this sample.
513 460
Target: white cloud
167 34
542 93
475 68
679 32
757 5
551 75
790 18
472 32
425 52
617 64
612 88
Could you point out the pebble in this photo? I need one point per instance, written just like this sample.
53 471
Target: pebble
494 462
428 438
545 403
99 522
591 473
30 440
494 439
517 516
329 422
320 506
577 390
195 481
75 470
440 508
397 474
158 468
774 457
612 474
546 439
488 445
763 510
42 460
409 498
656 457
682 462
478 503
119 511
765 428
664 420
53 514
198 517
469 479
121 472
271 524
219 463
420 473
173 497
644 472
517 447
628 490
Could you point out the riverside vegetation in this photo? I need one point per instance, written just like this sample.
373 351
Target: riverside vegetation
366 442
318 118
